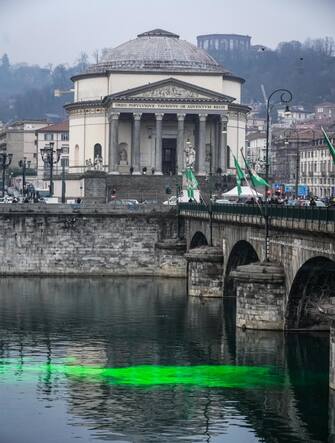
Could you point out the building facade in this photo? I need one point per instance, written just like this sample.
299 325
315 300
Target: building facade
58 134
317 167
148 102
18 138
325 112
256 150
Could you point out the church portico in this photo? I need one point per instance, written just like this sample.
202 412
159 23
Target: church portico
156 140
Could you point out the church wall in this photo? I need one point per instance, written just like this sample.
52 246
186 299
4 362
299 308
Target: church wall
95 133
91 88
76 140
232 88
124 81
85 131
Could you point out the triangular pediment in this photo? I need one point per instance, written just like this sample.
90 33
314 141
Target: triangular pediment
171 90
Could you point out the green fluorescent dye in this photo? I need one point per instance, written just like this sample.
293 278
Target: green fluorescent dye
204 376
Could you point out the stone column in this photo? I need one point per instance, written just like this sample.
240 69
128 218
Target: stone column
113 143
260 296
222 154
158 157
202 144
180 143
136 144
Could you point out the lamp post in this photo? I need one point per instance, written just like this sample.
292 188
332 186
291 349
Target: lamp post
51 157
5 161
24 164
285 98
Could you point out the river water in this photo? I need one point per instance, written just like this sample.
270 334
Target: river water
136 360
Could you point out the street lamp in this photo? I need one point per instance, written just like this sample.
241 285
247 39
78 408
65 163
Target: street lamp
5 161
24 164
285 98
50 158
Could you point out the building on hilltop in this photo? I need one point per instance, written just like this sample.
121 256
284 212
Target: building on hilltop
148 101
325 112
221 46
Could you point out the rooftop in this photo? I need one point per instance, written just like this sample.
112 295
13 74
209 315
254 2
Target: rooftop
58 127
158 51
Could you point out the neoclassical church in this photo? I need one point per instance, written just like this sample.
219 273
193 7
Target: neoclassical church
147 101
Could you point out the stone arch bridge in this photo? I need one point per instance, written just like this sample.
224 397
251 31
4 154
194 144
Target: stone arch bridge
225 253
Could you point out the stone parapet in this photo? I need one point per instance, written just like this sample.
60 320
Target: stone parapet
205 271
260 289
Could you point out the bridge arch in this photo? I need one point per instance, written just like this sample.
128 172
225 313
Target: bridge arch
242 253
198 239
312 288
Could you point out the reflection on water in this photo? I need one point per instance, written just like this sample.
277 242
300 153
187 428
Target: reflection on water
135 360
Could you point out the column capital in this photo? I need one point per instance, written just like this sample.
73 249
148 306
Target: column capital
203 117
181 117
137 115
224 118
114 116
159 115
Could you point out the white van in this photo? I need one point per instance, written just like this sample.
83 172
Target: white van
183 198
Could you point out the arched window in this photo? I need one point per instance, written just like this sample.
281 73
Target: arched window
97 151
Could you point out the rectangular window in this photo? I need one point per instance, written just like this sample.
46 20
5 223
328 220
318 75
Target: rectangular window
48 136
64 136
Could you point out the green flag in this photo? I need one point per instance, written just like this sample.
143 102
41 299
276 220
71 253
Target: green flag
191 182
256 180
239 175
329 144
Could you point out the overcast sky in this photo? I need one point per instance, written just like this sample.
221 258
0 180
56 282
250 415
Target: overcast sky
56 31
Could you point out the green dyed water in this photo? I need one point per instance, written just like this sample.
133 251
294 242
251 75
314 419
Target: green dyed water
214 376
136 360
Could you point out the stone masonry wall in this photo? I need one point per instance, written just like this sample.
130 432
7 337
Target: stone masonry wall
260 296
88 243
332 358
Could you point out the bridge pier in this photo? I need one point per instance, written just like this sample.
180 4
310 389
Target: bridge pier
260 296
171 261
205 271
332 362
331 416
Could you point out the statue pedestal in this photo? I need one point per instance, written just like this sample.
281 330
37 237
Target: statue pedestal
123 167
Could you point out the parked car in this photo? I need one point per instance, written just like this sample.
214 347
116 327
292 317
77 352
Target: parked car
129 203
172 201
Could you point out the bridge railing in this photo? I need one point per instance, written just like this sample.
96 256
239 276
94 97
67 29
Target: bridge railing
307 213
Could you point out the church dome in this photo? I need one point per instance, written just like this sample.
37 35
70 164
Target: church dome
157 51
